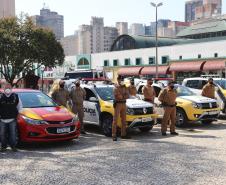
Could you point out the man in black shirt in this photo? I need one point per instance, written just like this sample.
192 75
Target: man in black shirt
10 106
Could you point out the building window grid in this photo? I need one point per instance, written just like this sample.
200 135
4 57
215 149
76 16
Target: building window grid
127 61
165 59
138 61
151 60
115 62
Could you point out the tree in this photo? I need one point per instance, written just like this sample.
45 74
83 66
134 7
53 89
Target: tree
25 47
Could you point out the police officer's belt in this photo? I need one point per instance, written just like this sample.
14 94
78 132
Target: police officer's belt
166 105
123 101
145 99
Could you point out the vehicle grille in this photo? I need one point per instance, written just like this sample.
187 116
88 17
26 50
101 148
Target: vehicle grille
60 122
141 124
143 111
53 130
209 105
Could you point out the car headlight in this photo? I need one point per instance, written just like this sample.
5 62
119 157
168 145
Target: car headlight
130 111
75 119
197 105
34 121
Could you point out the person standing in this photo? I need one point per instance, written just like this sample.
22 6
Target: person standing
10 106
148 91
61 95
132 89
78 96
168 99
121 93
209 89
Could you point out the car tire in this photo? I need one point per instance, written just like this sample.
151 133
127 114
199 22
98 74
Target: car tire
181 118
145 129
107 125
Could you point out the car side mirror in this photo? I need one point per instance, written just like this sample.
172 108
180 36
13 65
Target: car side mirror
93 99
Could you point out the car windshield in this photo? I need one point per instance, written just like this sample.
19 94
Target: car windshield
105 93
221 83
184 91
35 100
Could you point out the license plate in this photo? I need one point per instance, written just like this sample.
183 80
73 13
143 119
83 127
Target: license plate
213 113
144 120
63 130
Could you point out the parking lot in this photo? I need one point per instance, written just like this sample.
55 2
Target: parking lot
196 156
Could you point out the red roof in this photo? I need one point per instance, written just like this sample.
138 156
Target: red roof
187 66
214 65
129 71
151 70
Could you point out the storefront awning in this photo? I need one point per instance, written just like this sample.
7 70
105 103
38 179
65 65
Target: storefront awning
130 71
187 66
214 65
151 70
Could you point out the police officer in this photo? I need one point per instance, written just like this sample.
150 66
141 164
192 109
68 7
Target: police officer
78 96
148 91
168 99
61 95
132 88
209 89
10 106
121 93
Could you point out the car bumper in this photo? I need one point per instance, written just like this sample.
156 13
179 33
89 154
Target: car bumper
47 133
209 115
142 122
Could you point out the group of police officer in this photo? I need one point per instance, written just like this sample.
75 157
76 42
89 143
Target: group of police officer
121 93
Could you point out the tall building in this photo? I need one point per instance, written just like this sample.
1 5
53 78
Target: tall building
137 29
50 20
70 45
97 24
85 39
190 9
110 34
122 28
209 9
7 8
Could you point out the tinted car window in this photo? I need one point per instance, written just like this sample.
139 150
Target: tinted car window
193 84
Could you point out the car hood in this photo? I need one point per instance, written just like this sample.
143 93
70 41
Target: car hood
48 113
198 99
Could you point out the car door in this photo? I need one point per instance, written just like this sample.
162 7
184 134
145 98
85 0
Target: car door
91 108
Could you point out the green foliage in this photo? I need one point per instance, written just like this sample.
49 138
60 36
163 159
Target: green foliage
22 45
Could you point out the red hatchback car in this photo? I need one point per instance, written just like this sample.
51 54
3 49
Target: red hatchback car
42 120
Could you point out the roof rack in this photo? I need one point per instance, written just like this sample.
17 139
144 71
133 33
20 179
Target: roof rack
210 76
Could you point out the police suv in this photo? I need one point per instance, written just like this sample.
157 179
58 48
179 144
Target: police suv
98 109
190 106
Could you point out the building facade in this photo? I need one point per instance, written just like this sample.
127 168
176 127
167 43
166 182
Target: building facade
110 34
50 20
190 9
122 28
97 39
70 45
7 8
137 29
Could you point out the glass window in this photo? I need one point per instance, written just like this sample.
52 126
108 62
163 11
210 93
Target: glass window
115 62
183 91
151 60
106 62
180 57
215 55
199 56
138 61
105 93
127 62
193 84
35 100
165 59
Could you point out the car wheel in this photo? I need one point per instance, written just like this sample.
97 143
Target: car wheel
207 122
107 125
145 129
181 118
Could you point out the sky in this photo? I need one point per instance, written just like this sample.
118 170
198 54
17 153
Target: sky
78 12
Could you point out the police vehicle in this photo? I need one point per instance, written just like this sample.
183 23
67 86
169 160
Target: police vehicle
98 109
190 106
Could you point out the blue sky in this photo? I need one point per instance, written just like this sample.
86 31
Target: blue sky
77 12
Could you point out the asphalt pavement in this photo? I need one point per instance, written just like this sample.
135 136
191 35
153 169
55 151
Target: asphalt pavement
196 156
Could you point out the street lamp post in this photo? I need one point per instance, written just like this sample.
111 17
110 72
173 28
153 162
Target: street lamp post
42 70
156 36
